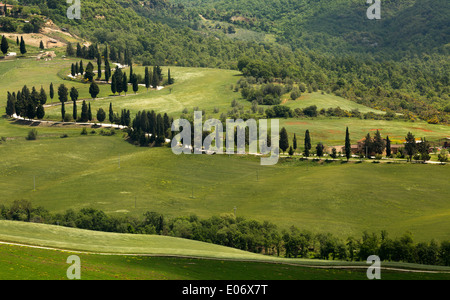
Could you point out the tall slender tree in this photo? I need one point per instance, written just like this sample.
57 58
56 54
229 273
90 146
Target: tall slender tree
111 113
125 83
42 96
410 145
147 78
23 48
284 140
4 45
307 143
84 112
74 97
347 147
52 91
99 66
62 93
94 90
388 147
63 111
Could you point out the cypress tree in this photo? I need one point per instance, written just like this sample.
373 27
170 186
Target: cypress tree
89 72
101 115
42 96
10 104
4 45
75 112
307 143
113 85
69 50
147 78
81 67
99 66
52 91
135 84
119 80
89 112
410 145
17 40
111 113
378 143
125 83
76 69
40 112
131 73
94 90
62 93
155 81
72 70
284 140
388 147
347 147
169 78
74 98
319 150
84 112
63 111
23 48
107 70
41 45
79 51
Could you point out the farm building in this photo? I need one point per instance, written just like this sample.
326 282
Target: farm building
2 8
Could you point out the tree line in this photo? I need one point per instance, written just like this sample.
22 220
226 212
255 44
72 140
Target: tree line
244 234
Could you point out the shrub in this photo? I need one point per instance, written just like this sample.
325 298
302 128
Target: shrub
32 135
84 131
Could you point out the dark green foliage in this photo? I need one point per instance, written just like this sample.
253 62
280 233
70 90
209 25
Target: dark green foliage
111 113
238 232
4 45
32 135
63 111
307 143
52 92
347 146
284 140
388 147
84 112
40 112
23 48
410 145
101 115
94 90
62 93
319 149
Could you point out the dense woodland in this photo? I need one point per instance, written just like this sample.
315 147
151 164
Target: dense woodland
249 235
408 72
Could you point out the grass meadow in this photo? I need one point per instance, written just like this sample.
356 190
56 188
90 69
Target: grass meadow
127 256
107 173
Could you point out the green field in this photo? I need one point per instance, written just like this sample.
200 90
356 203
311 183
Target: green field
157 257
107 173
344 199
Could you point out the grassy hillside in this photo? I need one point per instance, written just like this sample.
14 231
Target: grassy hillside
218 262
83 171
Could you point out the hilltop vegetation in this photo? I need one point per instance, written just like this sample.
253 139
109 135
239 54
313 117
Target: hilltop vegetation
164 33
